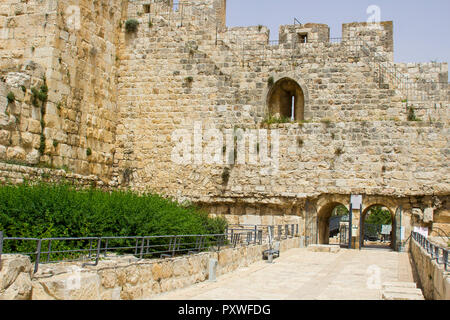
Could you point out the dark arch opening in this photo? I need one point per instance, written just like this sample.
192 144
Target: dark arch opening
286 100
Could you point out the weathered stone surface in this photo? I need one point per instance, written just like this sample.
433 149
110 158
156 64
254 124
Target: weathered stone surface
435 282
70 286
428 215
15 277
117 278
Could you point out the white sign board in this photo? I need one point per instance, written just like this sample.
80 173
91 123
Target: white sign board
402 233
356 201
386 229
422 230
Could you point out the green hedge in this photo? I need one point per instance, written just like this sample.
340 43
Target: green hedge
45 210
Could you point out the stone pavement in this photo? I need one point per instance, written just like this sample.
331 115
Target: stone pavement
300 274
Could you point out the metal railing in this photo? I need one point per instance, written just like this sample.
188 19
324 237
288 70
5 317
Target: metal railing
91 249
251 233
436 252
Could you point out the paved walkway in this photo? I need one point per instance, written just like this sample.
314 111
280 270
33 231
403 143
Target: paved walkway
303 275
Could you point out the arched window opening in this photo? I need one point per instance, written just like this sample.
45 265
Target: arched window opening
286 100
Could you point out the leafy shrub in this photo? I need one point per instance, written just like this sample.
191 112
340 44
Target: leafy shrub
11 97
412 114
60 210
131 25
39 95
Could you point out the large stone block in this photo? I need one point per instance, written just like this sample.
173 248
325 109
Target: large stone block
15 277
74 285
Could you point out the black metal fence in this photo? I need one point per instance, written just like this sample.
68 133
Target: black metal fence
437 253
91 249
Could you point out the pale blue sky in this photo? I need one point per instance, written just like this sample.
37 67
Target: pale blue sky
421 28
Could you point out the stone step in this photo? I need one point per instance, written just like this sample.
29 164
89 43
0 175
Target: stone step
399 284
403 290
401 296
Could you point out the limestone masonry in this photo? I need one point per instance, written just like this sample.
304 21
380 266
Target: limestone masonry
83 92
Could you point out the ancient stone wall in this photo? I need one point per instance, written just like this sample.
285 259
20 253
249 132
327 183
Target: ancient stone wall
429 71
16 174
435 282
120 102
59 60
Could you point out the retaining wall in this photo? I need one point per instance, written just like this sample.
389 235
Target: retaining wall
434 280
120 278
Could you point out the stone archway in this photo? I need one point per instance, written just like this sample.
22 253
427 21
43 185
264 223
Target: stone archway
365 213
286 99
323 217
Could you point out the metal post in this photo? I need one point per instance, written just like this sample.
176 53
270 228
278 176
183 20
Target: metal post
445 257
174 246
256 232
142 248
106 247
361 223
219 242
1 248
136 247
49 250
350 226
99 246
90 248
38 255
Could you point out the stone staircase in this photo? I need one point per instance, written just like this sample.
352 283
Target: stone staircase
401 291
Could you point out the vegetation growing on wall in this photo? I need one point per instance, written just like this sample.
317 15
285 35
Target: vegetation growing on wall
11 97
131 25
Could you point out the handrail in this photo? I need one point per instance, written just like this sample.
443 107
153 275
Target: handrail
164 245
433 250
